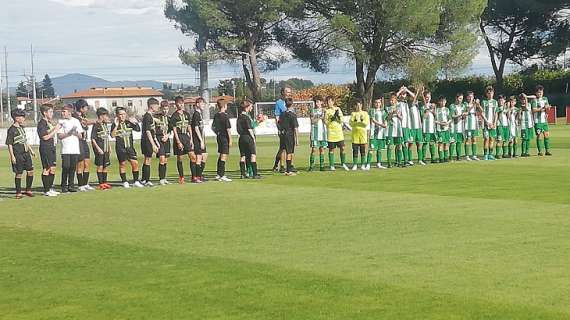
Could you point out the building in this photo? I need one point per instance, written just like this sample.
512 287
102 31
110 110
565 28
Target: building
133 98
26 103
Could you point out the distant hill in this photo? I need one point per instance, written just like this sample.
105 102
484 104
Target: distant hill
70 83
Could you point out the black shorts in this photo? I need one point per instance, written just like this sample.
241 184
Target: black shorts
84 152
223 144
186 146
334 145
358 148
23 163
282 142
102 160
163 148
289 143
126 154
146 148
246 146
197 149
48 157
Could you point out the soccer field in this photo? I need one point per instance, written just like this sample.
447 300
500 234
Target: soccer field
484 240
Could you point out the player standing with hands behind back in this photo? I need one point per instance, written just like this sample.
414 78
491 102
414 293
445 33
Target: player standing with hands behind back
289 131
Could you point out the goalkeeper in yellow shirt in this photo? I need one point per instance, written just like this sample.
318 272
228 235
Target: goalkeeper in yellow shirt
335 136
359 122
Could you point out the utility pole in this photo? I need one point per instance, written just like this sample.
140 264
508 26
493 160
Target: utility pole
1 97
8 107
34 86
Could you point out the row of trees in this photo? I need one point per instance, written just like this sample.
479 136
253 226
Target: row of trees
421 39
43 89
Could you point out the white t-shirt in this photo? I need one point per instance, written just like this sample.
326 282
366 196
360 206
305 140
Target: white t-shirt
70 145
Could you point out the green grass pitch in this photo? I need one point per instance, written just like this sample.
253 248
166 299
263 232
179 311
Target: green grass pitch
486 240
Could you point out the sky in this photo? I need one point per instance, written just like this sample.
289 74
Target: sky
123 40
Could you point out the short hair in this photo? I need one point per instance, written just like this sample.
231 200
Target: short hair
101 111
45 107
511 98
317 98
289 102
221 103
285 88
489 89
17 113
152 101
81 103
426 92
119 109
441 98
245 103
470 93
69 107
502 96
459 94
165 103
329 98
539 88
178 99
393 95
200 99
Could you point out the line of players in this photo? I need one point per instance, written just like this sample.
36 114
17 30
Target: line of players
408 120
156 127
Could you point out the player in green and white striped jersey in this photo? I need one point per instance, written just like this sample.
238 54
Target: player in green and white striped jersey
527 125
378 131
458 114
472 126
415 131
318 133
513 126
442 121
502 128
540 106
428 126
395 132
490 107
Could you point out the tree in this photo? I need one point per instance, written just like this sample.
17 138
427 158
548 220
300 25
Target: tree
47 87
238 31
520 30
22 90
379 34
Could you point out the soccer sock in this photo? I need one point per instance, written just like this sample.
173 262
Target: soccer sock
466 149
497 150
104 177
254 168
440 155
547 144
331 159
424 149
389 155
451 150
242 168
162 171
505 150
514 148
445 154
135 176
420 153
180 167
379 156
18 184
51 180
288 165
146 172
369 157
538 145
311 161
219 168
100 177
198 170
474 149
123 177
29 181
342 158
362 157
249 168
45 182
202 168
410 154
400 156
322 161
354 156
485 151
85 178
404 153
510 150
277 159
193 169
80 179
432 151
222 168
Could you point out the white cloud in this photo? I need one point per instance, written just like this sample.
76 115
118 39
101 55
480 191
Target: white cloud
133 7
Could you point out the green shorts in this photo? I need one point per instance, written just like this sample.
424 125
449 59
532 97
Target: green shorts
503 133
319 144
415 136
394 140
430 137
527 134
489 133
471 133
443 137
459 138
377 144
406 134
540 128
